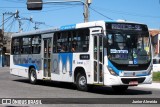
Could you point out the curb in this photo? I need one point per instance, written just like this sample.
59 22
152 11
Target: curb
155 85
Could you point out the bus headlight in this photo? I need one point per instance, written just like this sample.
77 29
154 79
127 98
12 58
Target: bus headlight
112 71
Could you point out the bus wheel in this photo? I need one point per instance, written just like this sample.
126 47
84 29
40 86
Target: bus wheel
81 82
120 88
32 76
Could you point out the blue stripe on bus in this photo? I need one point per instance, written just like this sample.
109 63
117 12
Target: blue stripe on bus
28 65
114 68
72 26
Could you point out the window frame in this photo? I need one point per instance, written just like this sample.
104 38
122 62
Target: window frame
30 45
68 42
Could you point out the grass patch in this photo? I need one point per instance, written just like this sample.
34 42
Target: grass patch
156 76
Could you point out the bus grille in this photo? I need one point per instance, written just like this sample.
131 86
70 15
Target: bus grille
127 80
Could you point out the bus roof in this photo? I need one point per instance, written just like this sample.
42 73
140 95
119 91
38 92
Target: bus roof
71 26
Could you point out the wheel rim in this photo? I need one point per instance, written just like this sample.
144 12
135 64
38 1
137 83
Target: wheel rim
82 81
33 76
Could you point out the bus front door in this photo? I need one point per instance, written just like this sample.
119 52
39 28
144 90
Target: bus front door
46 56
98 57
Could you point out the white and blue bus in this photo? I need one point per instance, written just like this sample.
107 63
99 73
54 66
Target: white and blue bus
107 53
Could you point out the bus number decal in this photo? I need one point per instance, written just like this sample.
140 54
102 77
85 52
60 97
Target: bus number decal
84 57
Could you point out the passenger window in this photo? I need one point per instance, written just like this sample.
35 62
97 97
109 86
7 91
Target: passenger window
71 41
26 45
16 46
36 44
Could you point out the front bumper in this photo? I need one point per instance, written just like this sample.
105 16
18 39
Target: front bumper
110 80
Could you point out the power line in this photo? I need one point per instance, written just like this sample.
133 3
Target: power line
6 20
12 7
27 28
25 6
13 1
101 13
51 10
125 13
10 25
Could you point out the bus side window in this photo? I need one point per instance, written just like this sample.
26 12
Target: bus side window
55 44
16 46
82 40
26 45
36 44
71 41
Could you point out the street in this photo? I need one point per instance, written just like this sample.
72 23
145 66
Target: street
18 87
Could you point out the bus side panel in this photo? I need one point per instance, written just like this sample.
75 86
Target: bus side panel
56 73
13 68
31 60
86 64
13 71
23 71
20 64
39 74
62 67
66 66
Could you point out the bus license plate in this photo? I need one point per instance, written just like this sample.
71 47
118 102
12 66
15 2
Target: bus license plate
133 83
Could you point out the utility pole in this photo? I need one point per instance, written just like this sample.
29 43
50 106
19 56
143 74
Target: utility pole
86 10
16 15
3 25
1 43
8 13
2 36
1 48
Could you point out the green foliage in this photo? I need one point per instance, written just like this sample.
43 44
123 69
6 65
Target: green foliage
156 76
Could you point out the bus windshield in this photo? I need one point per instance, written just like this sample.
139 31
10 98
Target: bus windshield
128 47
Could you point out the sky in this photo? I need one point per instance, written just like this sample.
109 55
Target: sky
55 15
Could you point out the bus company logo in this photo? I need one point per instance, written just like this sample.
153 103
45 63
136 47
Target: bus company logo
6 101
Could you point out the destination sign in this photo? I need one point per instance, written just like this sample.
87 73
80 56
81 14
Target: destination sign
126 27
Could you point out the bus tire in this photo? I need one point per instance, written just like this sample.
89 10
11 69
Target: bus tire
32 76
81 82
120 88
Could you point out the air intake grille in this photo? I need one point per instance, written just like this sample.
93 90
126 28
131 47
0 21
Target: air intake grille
127 80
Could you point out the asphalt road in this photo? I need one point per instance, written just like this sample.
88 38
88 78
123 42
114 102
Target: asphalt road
18 87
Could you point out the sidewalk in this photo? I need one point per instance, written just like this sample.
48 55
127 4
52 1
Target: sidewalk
155 85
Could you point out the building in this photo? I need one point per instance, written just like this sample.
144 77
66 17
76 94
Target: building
155 37
7 47
5 41
154 32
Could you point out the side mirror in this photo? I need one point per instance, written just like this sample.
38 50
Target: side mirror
34 4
